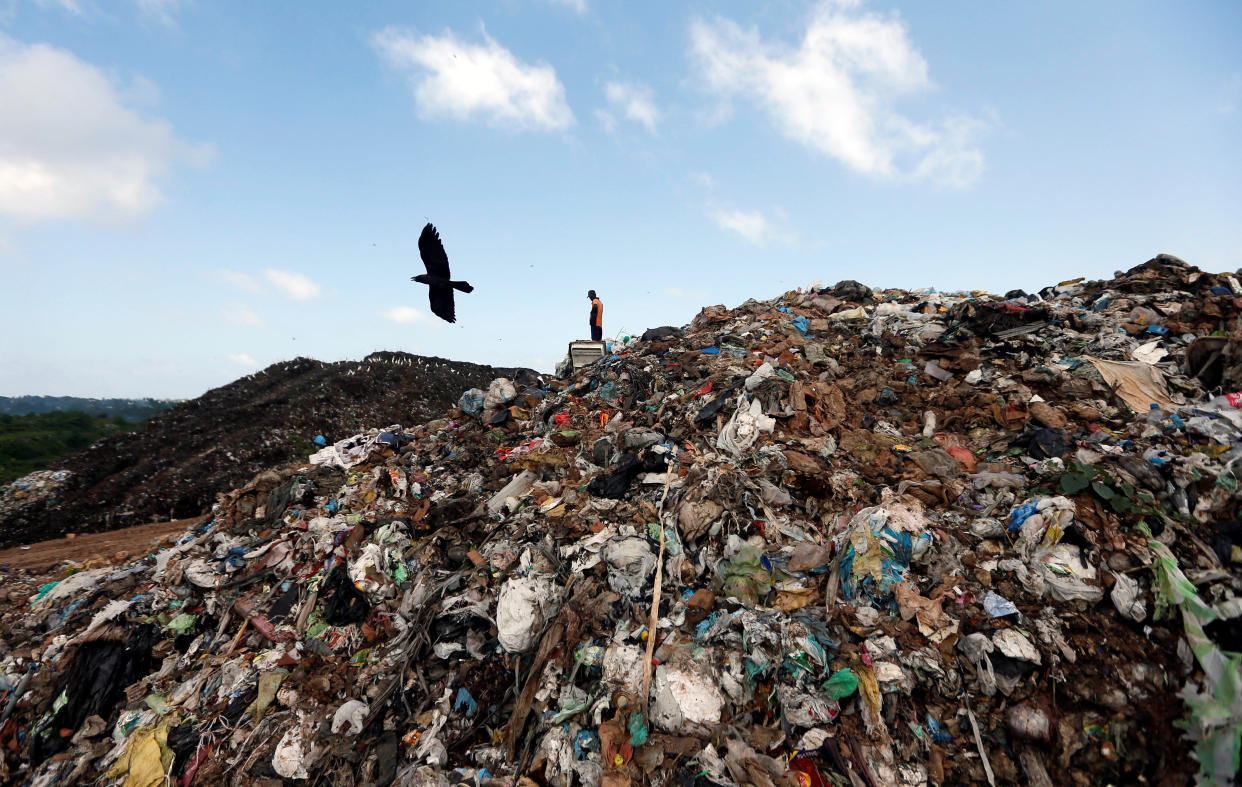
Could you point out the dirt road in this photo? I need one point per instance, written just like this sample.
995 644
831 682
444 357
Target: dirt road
42 556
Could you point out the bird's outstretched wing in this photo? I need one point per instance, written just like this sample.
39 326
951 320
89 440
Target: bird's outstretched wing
432 252
441 299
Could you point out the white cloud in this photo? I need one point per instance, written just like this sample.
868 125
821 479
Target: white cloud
606 119
163 11
240 315
462 81
634 100
70 147
751 225
704 179
295 285
244 360
405 315
577 6
952 160
675 292
70 6
836 91
140 92
242 281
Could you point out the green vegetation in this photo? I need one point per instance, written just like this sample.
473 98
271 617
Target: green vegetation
1120 496
130 409
32 442
302 446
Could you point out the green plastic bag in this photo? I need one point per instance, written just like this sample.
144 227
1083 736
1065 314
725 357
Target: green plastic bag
842 684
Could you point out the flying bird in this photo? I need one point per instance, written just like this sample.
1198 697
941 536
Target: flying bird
439 286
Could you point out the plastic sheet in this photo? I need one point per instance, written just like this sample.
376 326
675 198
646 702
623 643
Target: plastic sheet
745 427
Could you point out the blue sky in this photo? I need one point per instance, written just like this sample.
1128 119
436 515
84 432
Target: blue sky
192 190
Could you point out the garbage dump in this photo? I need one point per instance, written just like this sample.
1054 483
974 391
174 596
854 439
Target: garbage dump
31 488
845 536
173 464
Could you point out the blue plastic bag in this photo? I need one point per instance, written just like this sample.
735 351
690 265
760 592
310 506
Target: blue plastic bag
1021 514
471 402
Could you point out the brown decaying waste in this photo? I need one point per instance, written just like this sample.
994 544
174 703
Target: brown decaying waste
901 545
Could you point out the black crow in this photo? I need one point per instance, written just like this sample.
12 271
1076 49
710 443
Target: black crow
439 287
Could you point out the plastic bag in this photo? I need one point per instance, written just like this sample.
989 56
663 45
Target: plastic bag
745 577
499 393
617 482
352 713
471 402
630 563
743 429
343 603
1066 574
842 684
762 373
849 314
998 606
1125 597
523 606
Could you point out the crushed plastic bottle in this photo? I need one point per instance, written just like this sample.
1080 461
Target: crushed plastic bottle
1155 416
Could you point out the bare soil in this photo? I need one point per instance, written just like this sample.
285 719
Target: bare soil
43 556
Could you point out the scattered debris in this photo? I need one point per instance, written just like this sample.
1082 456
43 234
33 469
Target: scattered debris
174 465
932 542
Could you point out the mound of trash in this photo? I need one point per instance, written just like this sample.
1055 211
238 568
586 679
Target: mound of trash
844 536
174 464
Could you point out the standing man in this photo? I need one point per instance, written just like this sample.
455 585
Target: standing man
597 316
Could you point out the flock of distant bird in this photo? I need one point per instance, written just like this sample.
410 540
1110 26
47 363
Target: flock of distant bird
437 278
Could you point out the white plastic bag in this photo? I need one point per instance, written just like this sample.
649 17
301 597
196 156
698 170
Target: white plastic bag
1067 574
499 393
761 374
1125 596
743 429
683 696
353 713
525 604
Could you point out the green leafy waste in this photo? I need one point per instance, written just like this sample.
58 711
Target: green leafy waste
1119 495
1215 723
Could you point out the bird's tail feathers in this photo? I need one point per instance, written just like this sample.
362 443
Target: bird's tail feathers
464 286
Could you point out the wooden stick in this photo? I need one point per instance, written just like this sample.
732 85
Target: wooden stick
305 612
655 595
237 640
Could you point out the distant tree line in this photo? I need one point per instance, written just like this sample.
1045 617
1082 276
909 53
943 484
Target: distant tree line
32 442
132 410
